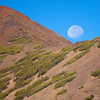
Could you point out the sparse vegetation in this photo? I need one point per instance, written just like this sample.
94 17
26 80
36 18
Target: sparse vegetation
37 46
95 73
35 87
33 63
76 57
80 87
27 41
3 83
18 39
64 81
2 57
84 45
66 50
40 85
61 92
90 97
11 49
37 42
99 44
6 93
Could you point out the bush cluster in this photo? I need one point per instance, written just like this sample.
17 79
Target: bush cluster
90 97
78 56
32 63
18 39
61 92
2 57
95 73
99 44
3 83
30 90
84 45
40 85
11 49
64 81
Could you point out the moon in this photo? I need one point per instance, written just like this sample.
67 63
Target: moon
75 31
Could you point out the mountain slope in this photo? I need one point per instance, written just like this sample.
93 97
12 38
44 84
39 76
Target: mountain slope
13 23
31 69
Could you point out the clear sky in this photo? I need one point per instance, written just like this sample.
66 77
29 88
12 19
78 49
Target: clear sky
59 15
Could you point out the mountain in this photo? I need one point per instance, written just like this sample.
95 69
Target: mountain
13 23
38 64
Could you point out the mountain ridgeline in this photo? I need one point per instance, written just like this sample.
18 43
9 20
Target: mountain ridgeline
38 64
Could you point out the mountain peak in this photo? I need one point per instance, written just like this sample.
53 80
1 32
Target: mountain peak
14 23
6 11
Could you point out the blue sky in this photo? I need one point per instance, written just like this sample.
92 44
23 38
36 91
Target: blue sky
59 15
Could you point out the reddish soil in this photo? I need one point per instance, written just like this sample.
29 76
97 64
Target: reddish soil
13 23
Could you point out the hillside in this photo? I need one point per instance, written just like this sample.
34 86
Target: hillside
13 23
38 64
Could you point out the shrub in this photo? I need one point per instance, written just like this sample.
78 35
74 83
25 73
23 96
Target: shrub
20 83
90 97
27 41
61 92
64 81
16 38
96 73
84 45
99 44
37 46
40 85
2 57
36 42
65 51
80 87
6 93
3 83
51 60
78 56
35 87
62 75
11 50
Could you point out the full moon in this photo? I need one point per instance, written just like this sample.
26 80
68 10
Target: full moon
75 31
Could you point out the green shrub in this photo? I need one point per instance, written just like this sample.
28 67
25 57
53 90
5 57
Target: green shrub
99 44
20 83
51 60
78 56
35 87
64 81
20 97
37 42
61 92
37 46
40 85
11 49
62 75
65 51
3 83
80 87
6 93
96 73
2 57
27 41
16 38
84 45
90 97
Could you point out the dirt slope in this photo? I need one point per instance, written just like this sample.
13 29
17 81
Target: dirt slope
35 56
13 23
